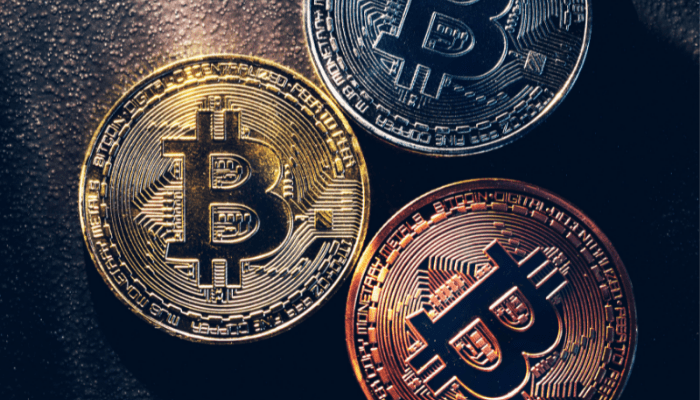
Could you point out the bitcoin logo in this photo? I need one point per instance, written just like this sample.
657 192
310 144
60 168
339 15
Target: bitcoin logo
445 38
223 199
489 340
215 165
490 290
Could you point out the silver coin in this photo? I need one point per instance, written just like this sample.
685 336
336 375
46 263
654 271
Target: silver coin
448 77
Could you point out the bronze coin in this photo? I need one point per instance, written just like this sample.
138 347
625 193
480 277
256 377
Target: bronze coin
491 289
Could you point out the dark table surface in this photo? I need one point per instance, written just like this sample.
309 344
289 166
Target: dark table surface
623 147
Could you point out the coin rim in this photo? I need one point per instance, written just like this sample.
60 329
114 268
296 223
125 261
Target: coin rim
359 159
438 151
475 184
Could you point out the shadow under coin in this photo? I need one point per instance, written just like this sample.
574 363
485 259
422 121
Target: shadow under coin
309 360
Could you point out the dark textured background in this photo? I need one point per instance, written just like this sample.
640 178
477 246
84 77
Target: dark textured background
623 147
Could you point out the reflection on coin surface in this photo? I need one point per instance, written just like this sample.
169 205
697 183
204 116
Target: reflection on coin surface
491 289
224 198
448 77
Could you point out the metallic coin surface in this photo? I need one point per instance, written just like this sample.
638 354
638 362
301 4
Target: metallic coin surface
491 289
448 77
224 198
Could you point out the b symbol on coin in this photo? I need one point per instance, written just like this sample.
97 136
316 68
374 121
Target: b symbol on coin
499 314
216 159
447 39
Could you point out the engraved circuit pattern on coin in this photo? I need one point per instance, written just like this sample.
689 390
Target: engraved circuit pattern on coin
491 289
224 198
448 77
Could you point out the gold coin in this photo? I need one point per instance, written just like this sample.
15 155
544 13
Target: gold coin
491 289
224 198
